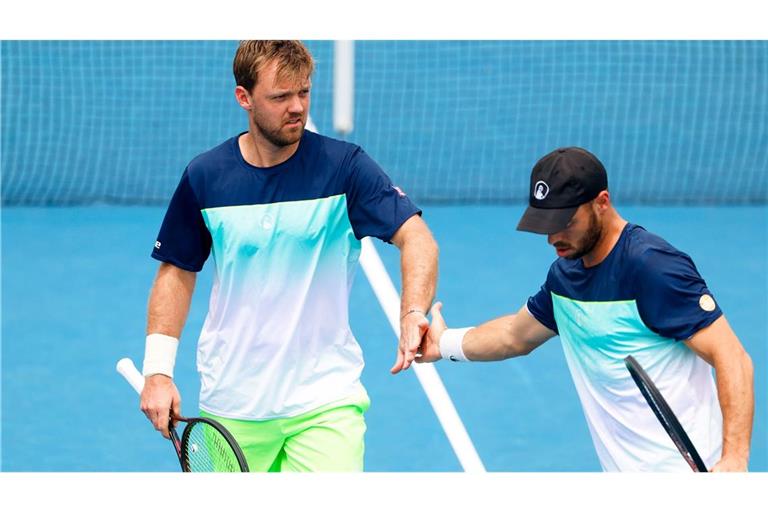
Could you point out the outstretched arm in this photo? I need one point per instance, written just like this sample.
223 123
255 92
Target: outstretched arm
418 260
502 338
718 345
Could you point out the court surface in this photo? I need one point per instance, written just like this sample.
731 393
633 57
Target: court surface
75 283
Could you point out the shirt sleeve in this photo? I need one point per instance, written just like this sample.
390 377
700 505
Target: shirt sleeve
184 240
540 307
672 298
376 206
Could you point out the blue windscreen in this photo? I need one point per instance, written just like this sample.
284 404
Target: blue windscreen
680 122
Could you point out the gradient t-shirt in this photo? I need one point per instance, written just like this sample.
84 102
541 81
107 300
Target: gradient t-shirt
642 300
285 241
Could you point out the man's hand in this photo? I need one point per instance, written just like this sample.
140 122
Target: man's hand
158 399
728 464
413 327
430 349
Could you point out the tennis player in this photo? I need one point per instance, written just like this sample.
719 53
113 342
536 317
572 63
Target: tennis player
618 290
282 210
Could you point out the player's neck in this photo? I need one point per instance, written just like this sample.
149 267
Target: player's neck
612 228
260 152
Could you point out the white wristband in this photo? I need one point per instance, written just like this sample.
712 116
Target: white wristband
160 355
450 344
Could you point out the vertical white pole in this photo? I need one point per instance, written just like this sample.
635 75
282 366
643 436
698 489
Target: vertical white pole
383 288
343 86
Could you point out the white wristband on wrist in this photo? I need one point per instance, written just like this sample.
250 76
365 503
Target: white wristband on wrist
450 344
160 355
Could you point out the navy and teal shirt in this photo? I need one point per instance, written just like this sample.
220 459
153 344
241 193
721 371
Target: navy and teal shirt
285 241
641 300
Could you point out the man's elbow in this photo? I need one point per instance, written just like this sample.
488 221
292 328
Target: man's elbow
523 349
431 245
421 240
738 363
746 363
515 345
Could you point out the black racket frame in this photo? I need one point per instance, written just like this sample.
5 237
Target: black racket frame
664 414
180 445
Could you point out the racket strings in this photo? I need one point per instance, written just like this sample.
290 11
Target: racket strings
207 450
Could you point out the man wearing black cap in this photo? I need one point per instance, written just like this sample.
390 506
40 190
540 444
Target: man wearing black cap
618 290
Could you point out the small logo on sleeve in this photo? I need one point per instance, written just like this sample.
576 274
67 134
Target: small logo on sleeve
157 244
707 303
540 190
399 191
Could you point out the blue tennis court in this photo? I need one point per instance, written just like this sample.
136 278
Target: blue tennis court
680 125
76 280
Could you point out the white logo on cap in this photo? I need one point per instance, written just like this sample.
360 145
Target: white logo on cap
707 303
540 190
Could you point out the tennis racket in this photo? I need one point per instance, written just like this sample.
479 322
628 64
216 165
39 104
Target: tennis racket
205 445
665 415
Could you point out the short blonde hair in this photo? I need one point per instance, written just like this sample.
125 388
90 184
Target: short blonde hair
294 61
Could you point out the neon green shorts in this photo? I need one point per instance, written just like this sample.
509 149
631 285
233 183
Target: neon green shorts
329 438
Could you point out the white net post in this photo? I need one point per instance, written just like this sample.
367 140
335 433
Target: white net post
382 284
343 86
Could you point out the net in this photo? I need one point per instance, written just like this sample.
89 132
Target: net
116 121
674 122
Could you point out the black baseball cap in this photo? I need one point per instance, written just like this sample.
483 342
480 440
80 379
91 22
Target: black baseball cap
561 181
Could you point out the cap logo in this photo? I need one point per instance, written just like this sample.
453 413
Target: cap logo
540 190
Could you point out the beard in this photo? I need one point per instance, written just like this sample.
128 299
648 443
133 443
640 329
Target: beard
588 242
279 136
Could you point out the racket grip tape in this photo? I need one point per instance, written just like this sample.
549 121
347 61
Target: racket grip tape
127 369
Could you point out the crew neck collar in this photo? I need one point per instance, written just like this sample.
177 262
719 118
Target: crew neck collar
272 169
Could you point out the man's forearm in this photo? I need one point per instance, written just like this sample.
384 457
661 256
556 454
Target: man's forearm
736 394
505 337
169 300
492 341
418 261
718 345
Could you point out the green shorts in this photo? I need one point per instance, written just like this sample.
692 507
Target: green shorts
329 438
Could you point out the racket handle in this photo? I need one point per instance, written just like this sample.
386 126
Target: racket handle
127 369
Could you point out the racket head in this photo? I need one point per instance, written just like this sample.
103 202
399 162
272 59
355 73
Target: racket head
664 414
206 446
